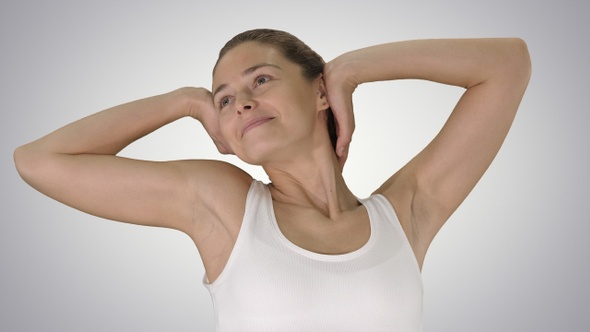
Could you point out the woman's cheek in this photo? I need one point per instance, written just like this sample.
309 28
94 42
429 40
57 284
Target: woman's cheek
228 129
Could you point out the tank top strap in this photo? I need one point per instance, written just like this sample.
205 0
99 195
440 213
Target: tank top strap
256 203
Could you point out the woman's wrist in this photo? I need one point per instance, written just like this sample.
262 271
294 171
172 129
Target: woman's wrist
343 72
191 101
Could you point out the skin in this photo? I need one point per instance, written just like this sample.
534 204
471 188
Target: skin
78 165
293 148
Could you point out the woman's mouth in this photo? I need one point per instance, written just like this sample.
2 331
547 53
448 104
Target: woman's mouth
255 123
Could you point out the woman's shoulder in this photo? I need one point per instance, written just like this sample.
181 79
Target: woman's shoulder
215 173
219 191
212 179
218 188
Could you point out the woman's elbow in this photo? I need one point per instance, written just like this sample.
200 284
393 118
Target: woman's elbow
27 162
520 59
20 160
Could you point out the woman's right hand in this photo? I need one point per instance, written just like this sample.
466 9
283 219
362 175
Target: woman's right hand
78 165
201 108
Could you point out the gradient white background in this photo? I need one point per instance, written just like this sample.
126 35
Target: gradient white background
514 257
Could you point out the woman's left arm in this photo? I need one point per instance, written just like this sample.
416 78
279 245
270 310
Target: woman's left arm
495 73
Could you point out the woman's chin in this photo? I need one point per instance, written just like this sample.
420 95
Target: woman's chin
257 156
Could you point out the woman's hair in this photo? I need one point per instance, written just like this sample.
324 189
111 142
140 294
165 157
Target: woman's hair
292 48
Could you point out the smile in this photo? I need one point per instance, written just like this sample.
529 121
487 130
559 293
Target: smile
255 123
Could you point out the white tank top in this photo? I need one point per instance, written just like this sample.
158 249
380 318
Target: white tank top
271 284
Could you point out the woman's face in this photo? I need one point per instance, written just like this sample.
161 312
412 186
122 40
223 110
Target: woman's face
267 109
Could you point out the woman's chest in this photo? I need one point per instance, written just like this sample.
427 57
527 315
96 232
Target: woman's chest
312 231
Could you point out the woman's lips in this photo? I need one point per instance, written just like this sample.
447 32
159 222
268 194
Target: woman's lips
255 123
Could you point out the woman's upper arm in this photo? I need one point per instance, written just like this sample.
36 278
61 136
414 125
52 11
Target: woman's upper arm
176 194
434 183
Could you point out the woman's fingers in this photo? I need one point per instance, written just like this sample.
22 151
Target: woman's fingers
344 116
214 131
340 100
208 116
340 86
221 147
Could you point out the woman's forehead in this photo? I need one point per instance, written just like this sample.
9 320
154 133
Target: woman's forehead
245 56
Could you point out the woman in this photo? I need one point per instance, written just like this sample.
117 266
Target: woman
301 253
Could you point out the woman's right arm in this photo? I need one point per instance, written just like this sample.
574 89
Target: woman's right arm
77 165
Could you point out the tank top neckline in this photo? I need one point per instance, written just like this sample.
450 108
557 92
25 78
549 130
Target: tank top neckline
315 255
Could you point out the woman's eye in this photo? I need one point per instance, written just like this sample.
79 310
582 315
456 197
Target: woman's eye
223 102
261 80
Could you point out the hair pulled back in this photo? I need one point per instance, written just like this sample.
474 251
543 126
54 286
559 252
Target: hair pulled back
292 48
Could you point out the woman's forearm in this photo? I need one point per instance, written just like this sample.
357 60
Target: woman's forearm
109 131
77 164
459 62
485 67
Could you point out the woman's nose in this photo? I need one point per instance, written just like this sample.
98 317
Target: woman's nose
244 108
244 103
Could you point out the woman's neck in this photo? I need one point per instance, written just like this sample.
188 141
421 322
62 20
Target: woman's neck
313 181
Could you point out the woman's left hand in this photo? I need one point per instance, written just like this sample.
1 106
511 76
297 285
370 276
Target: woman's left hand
339 88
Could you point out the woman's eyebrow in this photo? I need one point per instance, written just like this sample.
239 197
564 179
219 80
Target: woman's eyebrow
247 71
258 66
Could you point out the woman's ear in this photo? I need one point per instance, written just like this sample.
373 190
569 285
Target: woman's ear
321 98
